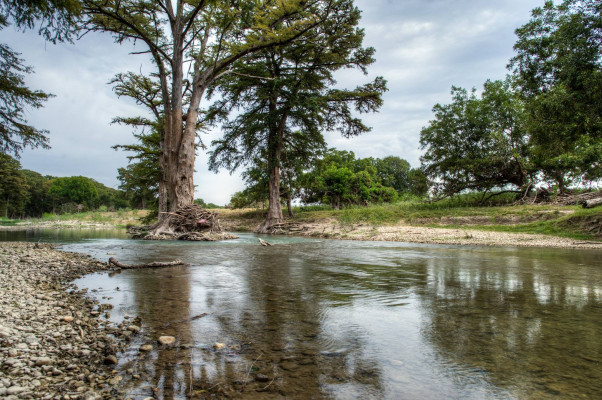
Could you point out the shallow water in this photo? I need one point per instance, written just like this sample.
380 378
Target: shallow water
370 320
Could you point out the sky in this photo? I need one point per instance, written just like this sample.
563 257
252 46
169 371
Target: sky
423 47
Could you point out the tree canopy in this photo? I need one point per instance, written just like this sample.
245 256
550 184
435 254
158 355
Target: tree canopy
56 22
476 143
285 99
558 70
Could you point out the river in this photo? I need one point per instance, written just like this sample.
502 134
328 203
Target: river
309 318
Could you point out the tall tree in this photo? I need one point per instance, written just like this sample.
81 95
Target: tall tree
143 178
13 187
193 43
284 90
55 19
476 143
558 66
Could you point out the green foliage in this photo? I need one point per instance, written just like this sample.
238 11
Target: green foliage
287 99
13 187
55 20
15 97
476 143
75 189
558 69
339 179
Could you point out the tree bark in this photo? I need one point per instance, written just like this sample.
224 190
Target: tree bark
274 215
592 203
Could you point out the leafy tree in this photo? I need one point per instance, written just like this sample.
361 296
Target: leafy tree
394 172
558 71
75 189
476 143
287 100
55 19
205 38
419 183
13 187
339 179
38 199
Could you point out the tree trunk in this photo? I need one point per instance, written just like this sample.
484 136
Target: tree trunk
289 205
274 215
592 203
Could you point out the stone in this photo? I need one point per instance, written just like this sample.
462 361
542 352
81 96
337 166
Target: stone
114 381
146 347
166 340
218 346
134 328
110 360
261 378
91 395
15 390
67 318
43 361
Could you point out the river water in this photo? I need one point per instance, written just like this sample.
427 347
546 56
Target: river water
310 318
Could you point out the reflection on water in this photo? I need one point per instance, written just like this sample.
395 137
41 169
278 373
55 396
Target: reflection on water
337 319
56 235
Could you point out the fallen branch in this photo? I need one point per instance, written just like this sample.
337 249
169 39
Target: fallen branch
592 203
155 264
263 242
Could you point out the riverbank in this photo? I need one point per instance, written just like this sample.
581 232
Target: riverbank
467 230
520 226
55 343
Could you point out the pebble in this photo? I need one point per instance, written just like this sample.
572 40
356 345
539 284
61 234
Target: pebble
146 347
110 360
218 346
43 361
52 344
166 340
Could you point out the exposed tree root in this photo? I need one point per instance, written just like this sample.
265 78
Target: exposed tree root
188 223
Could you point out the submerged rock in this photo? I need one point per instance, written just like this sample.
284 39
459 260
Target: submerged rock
166 340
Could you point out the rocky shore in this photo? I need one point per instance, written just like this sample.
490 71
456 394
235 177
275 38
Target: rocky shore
54 342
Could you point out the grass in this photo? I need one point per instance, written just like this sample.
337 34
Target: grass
7 221
581 225
566 221
117 218
412 212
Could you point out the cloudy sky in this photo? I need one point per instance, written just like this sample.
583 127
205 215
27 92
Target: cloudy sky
423 47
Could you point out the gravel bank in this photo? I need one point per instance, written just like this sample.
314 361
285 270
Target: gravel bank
54 342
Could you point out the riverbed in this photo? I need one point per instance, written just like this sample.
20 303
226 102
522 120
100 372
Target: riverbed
315 318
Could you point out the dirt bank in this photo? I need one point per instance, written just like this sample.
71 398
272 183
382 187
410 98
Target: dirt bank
414 233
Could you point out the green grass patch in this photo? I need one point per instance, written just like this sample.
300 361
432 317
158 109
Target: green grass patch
8 221
581 225
412 212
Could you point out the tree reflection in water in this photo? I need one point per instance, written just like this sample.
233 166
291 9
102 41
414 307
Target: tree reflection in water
366 320
529 324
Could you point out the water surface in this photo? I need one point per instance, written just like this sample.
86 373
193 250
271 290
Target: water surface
341 319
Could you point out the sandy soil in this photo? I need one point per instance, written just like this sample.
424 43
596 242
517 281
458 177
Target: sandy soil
421 234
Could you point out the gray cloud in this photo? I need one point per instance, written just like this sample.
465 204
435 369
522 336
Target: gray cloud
423 48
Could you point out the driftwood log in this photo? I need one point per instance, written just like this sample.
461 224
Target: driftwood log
156 264
263 242
592 203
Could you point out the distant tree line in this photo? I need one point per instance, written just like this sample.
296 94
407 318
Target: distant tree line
25 193
339 179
